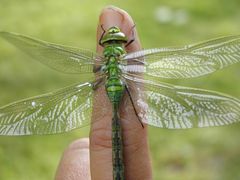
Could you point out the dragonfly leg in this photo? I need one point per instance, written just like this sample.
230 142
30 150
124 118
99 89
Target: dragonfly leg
96 84
96 68
104 31
133 36
135 110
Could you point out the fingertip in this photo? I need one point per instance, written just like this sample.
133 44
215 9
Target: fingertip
114 16
75 163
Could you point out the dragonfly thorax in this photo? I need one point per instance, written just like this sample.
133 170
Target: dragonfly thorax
112 68
114 85
115 50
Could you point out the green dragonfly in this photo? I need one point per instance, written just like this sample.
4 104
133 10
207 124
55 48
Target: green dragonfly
137 74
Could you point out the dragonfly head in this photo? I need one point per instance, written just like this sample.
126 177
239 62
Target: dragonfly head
113 35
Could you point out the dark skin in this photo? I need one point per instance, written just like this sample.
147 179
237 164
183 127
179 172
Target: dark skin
91 158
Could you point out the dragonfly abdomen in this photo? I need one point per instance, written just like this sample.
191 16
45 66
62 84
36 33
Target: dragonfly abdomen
117 145
115 88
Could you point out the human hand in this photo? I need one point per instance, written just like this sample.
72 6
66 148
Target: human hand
85 160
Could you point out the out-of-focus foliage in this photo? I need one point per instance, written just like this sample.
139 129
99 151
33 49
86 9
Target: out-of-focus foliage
212 153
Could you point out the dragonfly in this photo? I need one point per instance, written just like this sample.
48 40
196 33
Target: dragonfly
137 74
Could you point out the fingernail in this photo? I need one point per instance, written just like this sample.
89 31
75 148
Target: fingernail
112 16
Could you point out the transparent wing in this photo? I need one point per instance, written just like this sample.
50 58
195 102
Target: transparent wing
56 112
62 58
186 62
174 107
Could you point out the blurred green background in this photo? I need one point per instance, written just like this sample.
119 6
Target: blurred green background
208 154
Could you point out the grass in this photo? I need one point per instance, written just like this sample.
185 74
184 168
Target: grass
190 154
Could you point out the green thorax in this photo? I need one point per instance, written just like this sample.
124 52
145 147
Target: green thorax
113 42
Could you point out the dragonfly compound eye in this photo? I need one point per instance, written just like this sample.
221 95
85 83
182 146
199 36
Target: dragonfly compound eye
114 35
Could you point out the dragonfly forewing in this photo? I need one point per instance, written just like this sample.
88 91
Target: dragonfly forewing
185 62
174 107
61 58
